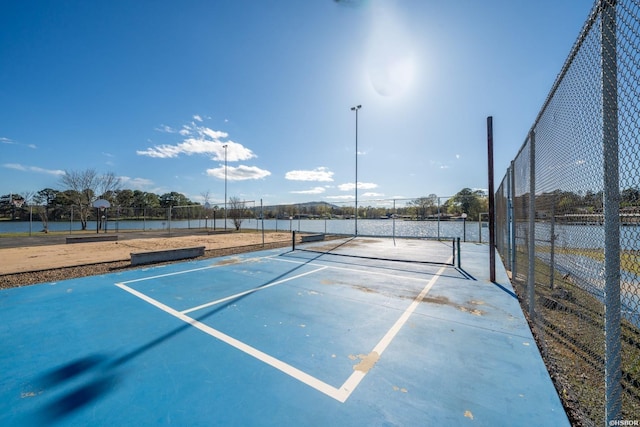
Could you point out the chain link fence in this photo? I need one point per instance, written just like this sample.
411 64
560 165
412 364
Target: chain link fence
568 221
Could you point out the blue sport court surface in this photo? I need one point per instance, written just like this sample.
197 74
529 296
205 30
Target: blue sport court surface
278 337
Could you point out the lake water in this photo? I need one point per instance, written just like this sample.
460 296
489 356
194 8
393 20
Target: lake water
367 227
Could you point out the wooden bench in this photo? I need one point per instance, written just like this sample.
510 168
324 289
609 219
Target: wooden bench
94 238
139 258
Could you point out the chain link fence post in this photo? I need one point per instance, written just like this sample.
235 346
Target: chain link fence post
531 276
611 205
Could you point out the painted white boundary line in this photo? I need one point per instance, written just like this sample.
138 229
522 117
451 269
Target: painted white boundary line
251 351
208 267
259 288
352 382
340 394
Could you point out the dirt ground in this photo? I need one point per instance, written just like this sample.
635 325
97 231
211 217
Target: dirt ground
22 259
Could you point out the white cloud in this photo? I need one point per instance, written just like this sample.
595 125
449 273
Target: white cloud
361 186
197 118
320 174
345 197
315 190
19 167
371 194
9 141
136 183
199 140
15 166
240 173
165 129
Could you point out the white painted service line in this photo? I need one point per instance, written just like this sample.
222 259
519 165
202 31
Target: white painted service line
301 376
259 288
352 382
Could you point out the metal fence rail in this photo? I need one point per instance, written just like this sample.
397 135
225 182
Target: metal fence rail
568 220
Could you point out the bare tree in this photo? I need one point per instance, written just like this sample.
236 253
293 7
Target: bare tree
236 211
86 186
41 201
206 197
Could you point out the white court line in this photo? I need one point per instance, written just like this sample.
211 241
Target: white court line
208 267
259 288
340 394
352 382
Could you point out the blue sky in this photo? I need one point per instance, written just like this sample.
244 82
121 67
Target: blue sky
152 91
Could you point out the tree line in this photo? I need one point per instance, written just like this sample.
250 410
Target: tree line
83 188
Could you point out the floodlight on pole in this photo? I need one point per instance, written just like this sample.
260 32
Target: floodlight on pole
225 185
356 108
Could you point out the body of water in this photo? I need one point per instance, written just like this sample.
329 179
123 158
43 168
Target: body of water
465 230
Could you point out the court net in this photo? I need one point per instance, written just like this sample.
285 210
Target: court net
408 250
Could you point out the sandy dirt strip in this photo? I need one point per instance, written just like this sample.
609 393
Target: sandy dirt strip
22 259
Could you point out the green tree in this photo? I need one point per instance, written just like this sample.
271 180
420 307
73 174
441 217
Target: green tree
425 206
124 198
172 199
630 197
471 202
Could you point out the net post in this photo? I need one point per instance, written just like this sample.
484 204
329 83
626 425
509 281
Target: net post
458 244
293 243
453 246
492 238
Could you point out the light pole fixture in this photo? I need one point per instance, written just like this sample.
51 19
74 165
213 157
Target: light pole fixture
225 185
356 108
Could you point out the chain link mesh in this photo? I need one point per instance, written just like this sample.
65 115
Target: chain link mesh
572 145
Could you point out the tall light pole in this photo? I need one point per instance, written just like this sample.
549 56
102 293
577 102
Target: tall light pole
356 108
225 185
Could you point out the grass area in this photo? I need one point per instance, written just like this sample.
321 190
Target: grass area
569 327
629 259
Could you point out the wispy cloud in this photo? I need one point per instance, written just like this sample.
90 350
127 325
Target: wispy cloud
320 174
239 173
201 140
349 186
36 169
345 197
197 118
372 194
9 141
315 190
165 129
136 183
